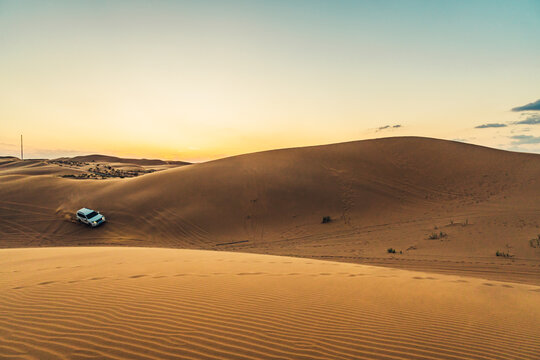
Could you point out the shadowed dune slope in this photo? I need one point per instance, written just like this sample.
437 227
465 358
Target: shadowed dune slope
137 303
382 193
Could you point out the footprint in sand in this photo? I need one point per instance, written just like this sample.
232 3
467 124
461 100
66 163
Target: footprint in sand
46 282
252 273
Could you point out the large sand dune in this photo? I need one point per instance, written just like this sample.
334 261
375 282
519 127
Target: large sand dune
383 193
137 303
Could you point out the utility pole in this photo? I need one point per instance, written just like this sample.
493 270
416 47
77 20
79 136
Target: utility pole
22 158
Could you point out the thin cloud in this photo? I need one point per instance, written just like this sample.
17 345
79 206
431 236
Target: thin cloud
530 120
492 125
525 139
535 106
389 127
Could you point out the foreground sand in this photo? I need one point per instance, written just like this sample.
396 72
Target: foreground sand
139 303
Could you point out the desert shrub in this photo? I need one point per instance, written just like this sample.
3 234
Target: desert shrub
435 236
502 254
391 250
535 243
326 219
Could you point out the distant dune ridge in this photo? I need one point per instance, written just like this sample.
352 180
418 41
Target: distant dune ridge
114 159
382 193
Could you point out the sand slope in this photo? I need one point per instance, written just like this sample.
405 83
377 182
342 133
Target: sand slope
393 192
137 303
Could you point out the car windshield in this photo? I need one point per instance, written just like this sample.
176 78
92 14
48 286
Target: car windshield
91 215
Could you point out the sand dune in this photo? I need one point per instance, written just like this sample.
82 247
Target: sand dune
444 207
137 303
383 193
114 159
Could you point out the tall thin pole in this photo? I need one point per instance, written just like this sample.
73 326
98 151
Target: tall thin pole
22 158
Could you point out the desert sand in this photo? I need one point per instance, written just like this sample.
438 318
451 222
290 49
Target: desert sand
256 273
386 193
140 303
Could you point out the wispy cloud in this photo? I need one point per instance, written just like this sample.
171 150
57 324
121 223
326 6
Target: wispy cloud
492 125
530 106
525 139
532 119
389 127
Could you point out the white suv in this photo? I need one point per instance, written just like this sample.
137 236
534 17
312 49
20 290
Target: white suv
90 217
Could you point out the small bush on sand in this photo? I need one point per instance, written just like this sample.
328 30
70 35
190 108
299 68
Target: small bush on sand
326 219
440 235
503 254
535 243
391 250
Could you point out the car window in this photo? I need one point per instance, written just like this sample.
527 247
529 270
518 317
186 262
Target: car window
91 215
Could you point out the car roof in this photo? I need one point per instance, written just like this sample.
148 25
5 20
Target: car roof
85 211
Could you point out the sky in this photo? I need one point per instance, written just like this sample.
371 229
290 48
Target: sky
200 80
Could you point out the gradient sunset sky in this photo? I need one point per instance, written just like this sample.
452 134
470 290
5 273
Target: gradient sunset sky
198 80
